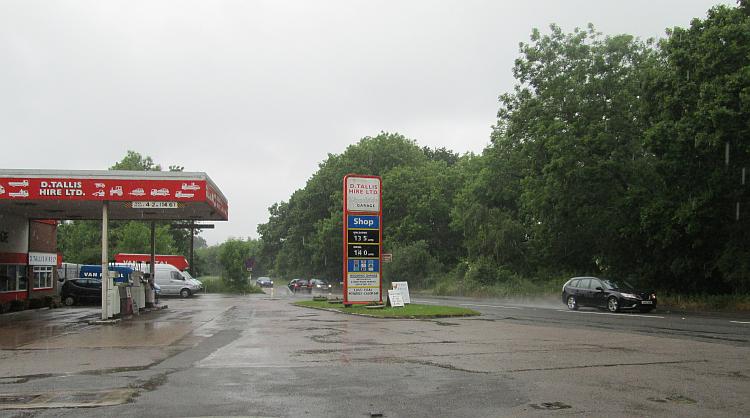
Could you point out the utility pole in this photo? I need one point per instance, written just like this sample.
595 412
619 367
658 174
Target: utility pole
192 227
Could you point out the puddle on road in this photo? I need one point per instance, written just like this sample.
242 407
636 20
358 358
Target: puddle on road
684 400
446 324
66 399
550 406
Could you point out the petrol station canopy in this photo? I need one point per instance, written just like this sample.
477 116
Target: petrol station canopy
132 195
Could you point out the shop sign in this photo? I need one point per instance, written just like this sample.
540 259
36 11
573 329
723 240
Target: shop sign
362 239
42 259
102 189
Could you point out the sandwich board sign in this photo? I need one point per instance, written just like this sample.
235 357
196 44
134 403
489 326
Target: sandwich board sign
402 287
396 298
363 230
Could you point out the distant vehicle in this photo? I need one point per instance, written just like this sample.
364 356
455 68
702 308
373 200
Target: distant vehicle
171 280
264 282
117 190
137 192
20 193
81 290
318 284
298 285
22 183
181 194
98 193
159 192
613 295
190 186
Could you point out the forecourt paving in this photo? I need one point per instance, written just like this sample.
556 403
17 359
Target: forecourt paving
260 356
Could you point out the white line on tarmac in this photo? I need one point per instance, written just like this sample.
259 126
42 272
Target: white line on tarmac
490 306
740 322
614 314
424 301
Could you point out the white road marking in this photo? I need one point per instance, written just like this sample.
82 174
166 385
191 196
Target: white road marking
614 314
424 301
740 322
490 306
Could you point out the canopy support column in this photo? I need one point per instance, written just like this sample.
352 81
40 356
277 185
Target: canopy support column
105 261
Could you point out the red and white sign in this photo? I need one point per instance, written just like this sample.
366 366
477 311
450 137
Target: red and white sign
103 189
217 201
362 194
176 260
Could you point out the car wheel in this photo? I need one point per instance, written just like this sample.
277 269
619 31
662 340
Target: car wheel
572 303
612 304
185 293
69 301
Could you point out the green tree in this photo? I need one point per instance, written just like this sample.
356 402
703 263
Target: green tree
232 256
303 235
134 161
698 106
572 133
414 263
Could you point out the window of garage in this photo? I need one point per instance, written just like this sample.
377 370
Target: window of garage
43 277
12 278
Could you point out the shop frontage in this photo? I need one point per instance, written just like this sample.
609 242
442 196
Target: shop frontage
32 202
28 260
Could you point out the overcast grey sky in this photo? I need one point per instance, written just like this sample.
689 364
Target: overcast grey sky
257 93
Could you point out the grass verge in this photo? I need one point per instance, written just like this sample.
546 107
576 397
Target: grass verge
705 303
550 289
214 284
412 310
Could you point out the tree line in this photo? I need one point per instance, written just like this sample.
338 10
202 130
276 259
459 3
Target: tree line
612 156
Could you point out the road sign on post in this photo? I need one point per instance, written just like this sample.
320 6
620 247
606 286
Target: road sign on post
362 236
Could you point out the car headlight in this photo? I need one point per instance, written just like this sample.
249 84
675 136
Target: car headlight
629 295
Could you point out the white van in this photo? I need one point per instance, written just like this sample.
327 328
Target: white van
171 280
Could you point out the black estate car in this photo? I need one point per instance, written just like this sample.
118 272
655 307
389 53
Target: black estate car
82 290
614 295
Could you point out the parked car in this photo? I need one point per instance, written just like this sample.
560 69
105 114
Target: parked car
298 285
264 282
319 284
613 295
81 290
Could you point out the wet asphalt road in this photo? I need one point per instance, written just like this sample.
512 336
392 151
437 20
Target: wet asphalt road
718 327
260 356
